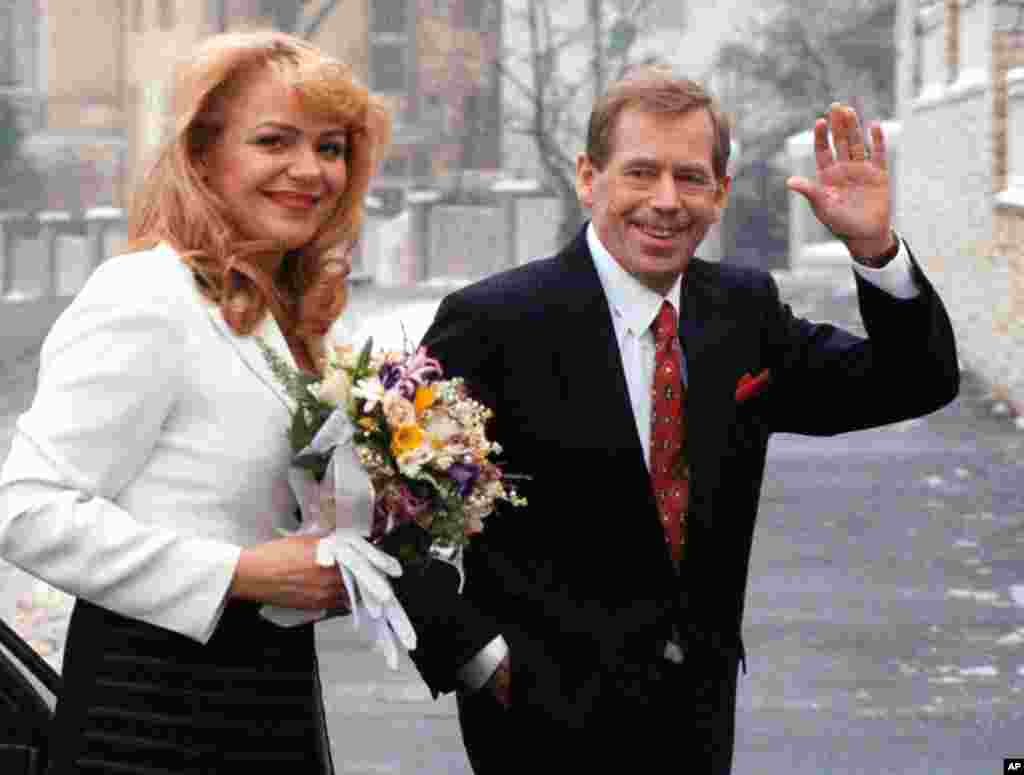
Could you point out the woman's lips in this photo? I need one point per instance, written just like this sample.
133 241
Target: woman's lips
293 200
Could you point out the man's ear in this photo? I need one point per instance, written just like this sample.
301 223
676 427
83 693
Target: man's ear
585 172
722 196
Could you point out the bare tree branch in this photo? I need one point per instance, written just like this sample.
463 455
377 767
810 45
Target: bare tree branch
309 24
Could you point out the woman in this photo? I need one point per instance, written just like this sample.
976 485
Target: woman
149 476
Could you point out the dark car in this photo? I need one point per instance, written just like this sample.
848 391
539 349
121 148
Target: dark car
28 692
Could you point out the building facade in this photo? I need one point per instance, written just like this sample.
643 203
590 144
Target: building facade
960 189
62 66
90 81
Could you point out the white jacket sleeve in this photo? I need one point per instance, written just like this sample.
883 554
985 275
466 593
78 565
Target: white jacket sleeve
110 373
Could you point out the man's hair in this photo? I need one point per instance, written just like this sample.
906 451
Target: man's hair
654 89
175 203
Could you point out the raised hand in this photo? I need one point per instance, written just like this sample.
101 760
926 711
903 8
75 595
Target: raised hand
851 193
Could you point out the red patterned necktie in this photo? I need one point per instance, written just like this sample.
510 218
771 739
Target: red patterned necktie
669 471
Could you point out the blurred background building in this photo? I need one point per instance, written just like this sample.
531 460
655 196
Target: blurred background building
490 99
87 82
960 193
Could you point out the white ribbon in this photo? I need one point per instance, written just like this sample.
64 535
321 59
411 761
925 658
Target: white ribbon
364 568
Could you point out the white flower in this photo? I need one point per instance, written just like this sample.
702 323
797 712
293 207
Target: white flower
334 389
342 356
370 390
398 409
410 462
441 427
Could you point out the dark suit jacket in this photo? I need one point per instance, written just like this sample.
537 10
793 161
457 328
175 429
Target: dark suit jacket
580 582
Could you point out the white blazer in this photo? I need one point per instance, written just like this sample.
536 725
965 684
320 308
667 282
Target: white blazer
155 448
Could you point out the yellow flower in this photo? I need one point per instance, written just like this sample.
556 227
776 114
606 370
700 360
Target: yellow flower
407 438
424 398
369 423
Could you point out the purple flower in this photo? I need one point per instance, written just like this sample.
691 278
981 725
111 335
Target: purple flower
394 506
407 389
390 374
465 475
421 368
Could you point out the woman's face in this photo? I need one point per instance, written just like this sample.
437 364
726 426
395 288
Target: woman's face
279 169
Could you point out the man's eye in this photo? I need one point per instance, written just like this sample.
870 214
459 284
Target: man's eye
269 141
640 172
695 179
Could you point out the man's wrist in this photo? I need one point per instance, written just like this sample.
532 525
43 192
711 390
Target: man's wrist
875 254
480 669
501 676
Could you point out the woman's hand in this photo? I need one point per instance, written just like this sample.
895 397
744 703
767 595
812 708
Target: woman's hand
285 572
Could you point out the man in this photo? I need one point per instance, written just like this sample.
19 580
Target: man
612 604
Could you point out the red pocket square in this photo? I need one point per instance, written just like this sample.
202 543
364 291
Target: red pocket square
748 386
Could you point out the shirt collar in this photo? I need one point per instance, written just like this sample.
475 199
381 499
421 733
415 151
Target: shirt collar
628 298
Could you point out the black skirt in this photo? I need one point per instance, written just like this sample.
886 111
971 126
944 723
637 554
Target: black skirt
142 700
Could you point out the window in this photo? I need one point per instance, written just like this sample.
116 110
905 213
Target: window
388 67
389 17
433 110
7 50
931 46
473 13
389 46
19 44
166 14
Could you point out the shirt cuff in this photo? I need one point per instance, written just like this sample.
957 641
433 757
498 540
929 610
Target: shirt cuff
895 278
478 671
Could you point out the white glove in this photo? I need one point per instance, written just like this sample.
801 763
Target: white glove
365 570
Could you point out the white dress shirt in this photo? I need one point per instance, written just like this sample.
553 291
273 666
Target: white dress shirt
634 307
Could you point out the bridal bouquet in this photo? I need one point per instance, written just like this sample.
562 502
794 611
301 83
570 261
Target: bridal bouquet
383 439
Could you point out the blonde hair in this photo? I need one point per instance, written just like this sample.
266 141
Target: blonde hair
174 203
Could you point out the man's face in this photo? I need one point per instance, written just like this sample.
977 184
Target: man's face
657 196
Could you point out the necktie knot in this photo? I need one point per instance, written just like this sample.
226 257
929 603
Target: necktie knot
665 325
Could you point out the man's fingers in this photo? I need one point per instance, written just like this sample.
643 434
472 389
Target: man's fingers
858 150
840 132
878 153
804 186
822 150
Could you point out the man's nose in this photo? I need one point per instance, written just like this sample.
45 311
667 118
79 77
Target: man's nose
666 194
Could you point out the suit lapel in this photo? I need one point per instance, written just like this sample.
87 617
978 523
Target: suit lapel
705 324
594 373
